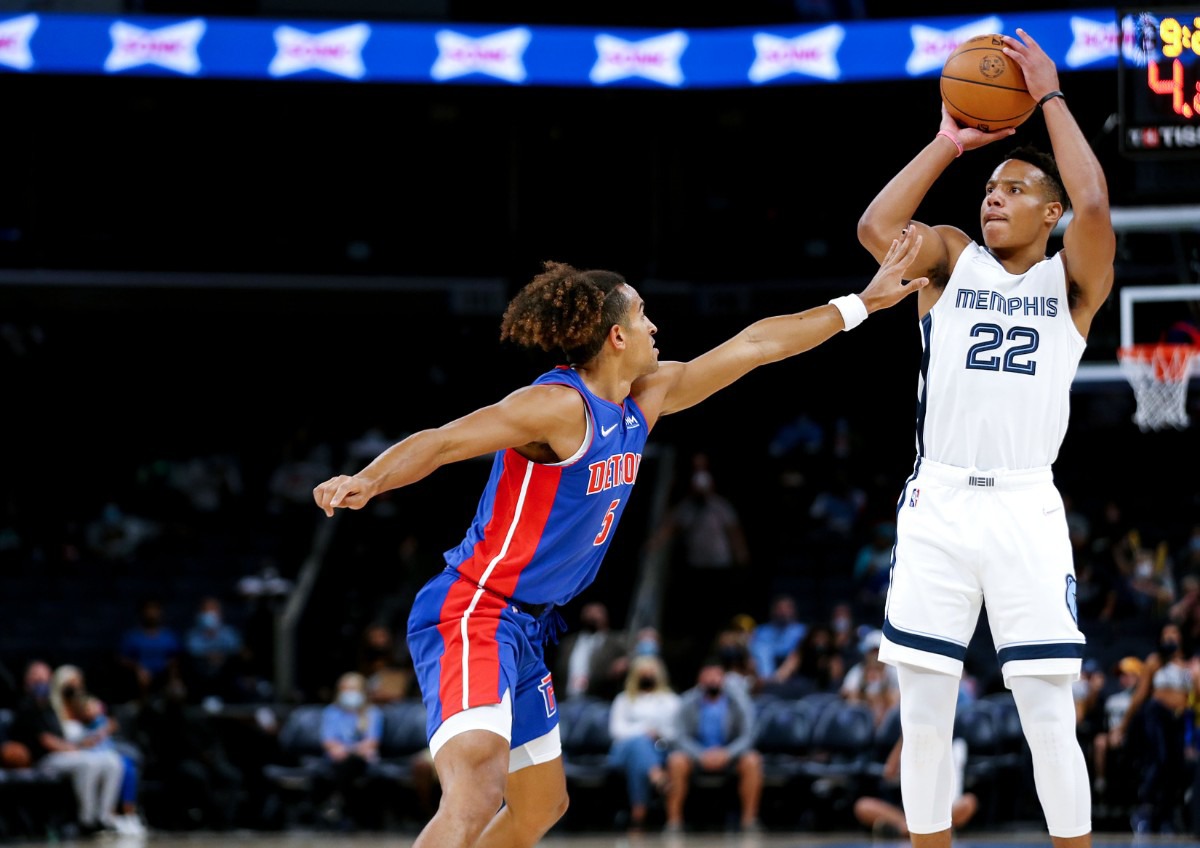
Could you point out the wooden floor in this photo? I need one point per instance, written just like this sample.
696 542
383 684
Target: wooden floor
254 839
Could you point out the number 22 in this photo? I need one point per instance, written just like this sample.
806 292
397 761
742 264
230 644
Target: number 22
994 337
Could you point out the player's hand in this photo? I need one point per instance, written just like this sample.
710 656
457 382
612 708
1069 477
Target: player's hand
887 287
970 137
1041 74
342 492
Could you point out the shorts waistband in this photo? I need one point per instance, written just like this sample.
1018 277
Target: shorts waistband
535 610
973 478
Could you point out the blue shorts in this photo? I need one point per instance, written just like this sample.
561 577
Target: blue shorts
470 646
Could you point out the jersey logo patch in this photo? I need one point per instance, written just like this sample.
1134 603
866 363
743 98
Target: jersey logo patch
1072 605
604 431
912 499
631 422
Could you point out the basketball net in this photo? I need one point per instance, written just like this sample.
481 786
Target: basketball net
1158 373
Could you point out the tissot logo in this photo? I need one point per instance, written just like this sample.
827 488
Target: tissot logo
1093 40
655 59
813 54
336 51
931 47
171 47
499 55
15 34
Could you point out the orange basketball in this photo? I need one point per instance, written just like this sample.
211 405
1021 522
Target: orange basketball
983 88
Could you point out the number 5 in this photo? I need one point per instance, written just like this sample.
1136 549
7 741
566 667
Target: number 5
608 523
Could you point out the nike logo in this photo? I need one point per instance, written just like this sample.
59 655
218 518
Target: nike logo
604 431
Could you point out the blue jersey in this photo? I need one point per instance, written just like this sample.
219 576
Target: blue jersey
542 529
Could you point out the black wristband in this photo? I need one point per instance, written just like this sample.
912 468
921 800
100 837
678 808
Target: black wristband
1051 96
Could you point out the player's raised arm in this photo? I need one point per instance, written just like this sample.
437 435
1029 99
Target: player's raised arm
679 385
541 416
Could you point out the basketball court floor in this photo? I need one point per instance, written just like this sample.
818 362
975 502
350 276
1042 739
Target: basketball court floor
253 839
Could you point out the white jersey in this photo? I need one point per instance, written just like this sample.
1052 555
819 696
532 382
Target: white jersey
1000 354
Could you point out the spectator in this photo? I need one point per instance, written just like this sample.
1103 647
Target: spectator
642 722
351 729
1160 702
1090 692
872 682
150 650
214 651
873 568
884 815
1116 705
95 775
774 639
732 647
86 723
593 659
714 733
815 665
711 558
388 680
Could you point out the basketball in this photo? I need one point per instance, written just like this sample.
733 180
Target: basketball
983 88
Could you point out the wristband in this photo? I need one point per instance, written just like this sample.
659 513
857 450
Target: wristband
1051 96
853 310
955 141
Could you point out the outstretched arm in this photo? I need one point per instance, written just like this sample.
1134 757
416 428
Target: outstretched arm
1090 244
534 417
679 385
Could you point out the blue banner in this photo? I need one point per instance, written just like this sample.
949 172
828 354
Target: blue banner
424 53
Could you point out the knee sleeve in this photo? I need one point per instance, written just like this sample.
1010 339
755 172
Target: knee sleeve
927 784
1047 710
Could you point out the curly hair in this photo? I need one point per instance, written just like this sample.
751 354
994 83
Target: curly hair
1044 162
564 308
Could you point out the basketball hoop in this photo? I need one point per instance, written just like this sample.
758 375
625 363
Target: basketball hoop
1158 373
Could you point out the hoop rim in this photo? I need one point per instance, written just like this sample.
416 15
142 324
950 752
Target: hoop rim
1170 361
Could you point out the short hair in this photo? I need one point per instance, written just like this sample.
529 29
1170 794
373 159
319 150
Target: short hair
1048 166
565 308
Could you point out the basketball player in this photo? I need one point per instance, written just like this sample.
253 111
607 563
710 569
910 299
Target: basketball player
567 451
1003 327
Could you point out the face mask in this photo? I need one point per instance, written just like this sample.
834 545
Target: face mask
712 691
69 693
1169 648
731 656
210 620
588 626
841 625
41 690
350 699
647 683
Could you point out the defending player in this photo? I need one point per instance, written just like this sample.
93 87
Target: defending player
567 451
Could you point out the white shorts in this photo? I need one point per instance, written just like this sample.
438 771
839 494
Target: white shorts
497 718
963 535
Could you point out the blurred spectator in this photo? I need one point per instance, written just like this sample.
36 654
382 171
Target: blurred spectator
1187 560
648 642
712 550
1150 577
815 665
593 659
1160 702
872 568
775 638
201 786
837 509
847 634
87 724
215 655
715 734
1185 612
95 775
115 535
732 647
351 729
642 722
1090 692
1116 705
884 815
870 681
387 678
150 650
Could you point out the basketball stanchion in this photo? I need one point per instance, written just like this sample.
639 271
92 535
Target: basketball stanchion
1158 373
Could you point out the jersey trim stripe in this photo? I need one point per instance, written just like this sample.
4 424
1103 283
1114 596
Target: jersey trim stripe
923 400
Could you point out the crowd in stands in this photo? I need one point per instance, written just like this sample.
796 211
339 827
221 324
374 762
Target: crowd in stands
137 678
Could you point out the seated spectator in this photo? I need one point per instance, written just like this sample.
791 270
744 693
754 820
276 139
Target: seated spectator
150 650
884 815
641 723
95 774
351 729
774 639
86 723
1116 704
815 665
214 651
714 733
732 647
872 682
388 679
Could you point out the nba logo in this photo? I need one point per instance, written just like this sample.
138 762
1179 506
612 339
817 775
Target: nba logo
912 499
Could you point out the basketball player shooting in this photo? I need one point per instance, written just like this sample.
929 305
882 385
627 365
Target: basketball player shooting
567 451
1003 327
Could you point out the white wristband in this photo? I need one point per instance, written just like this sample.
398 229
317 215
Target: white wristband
853 310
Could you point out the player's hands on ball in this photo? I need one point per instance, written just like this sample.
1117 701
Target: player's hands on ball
342 491
970 137
1041 74
887 287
